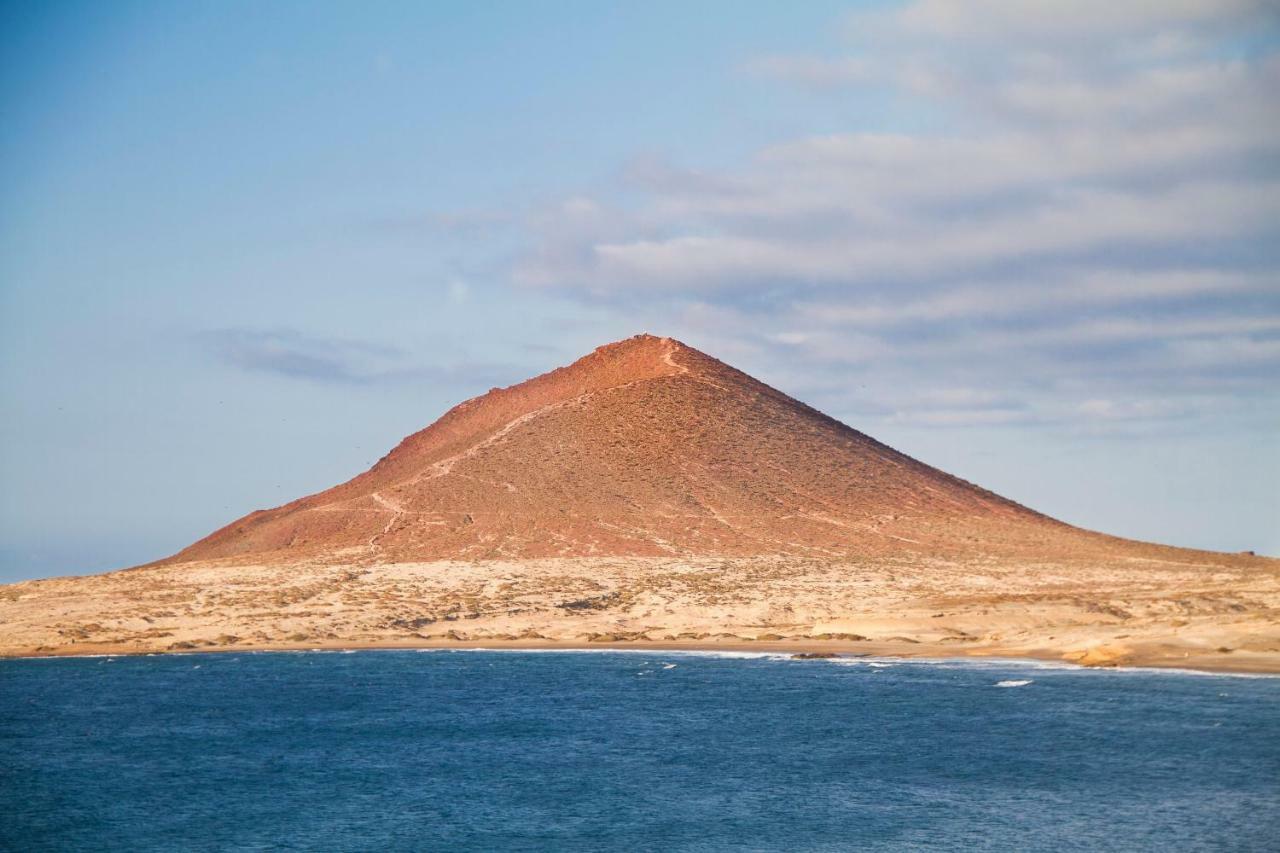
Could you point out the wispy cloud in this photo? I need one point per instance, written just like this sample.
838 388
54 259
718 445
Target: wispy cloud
1062 21
1092 214
337 361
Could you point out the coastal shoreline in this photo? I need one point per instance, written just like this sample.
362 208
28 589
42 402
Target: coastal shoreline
1206 616
1257 664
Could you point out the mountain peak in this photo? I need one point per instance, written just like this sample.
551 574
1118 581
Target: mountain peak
644 446
641 351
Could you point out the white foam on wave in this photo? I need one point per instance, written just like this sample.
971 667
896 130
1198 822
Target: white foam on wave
58 657
1064 667
700 653
1077 669
1021 682
1003 663
870 661
864 661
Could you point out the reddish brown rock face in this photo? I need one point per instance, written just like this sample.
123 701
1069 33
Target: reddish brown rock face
643 447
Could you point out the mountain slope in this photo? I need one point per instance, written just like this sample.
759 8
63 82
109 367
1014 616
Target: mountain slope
645 447
648 493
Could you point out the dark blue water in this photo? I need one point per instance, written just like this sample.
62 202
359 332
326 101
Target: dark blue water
597 751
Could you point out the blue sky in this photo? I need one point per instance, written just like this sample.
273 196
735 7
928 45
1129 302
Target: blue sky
247 247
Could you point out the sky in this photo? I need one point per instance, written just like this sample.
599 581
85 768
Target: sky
246 247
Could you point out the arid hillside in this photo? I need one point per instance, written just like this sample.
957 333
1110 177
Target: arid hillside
645 447
648 493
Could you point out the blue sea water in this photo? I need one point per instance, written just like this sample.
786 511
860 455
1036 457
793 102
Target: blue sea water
629 751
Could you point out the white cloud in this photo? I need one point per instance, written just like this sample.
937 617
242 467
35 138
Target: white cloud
1072 289
1114 410
894 243
1015 21
1091 214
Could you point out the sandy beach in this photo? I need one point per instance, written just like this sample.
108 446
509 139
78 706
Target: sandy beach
1213 616
1141 658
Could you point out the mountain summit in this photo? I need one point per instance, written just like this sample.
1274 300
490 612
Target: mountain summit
645 447
648 493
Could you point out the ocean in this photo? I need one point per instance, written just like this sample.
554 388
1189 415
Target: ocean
629 751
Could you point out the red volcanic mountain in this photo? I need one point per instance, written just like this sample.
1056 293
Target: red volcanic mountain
643 447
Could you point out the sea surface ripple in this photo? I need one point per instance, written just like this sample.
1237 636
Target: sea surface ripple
502 750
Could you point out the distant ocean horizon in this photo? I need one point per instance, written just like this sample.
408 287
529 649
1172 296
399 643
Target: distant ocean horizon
629 750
